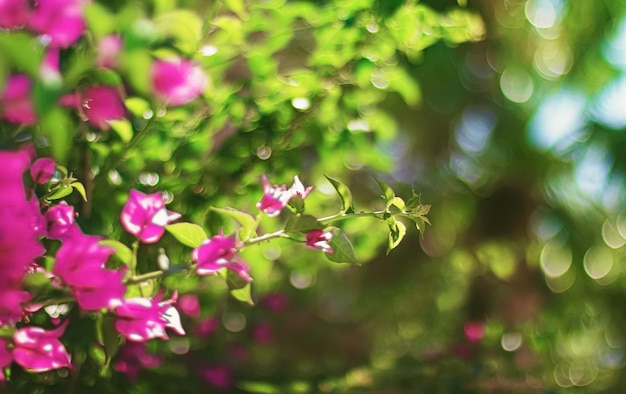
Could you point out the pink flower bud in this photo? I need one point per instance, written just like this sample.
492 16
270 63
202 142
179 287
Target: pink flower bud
39 350
189 305
318 239
16 103
42 170
178 81
60 221
145 216
109 48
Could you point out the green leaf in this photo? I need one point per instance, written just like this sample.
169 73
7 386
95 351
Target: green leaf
58 128
302 223
244 294
122 251
396 202
247 221
35 281
388 193
238 7
344 194
397 231
123 128
184 26
188 234
60 192
297 203
414 201
80 189
100 21
107 336
343 252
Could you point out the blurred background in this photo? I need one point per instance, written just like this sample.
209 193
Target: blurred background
508 116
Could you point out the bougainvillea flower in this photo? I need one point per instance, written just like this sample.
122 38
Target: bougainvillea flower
318 239
218 376
42 170
177 81
17 105
213 254
297 189
60 221
59 22
189 305
145 216
14 13
275 198
474 331
109 48
101 104
140 319
133 357
39 350
12 302
99 288
77 254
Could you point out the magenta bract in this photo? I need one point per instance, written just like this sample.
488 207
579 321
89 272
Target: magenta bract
16 100
140 319
6 358
101 104
60 221
276 197
318 239
133 357
39 350
42 170
177 81
14 13
213 254
109 48
145 216
59 22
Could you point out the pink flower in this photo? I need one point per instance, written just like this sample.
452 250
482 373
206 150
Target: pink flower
189 305
100 104
12 304
474 331
133 357
80 263
207 327
145 216
50 69
177 81
60 22
216 253
297 189
140 319
218 376
16 100
42 170
318 239
14 13
275 197
109 48
39 350
60 221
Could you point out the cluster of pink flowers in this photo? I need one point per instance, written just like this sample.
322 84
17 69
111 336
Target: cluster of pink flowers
176 81
276 197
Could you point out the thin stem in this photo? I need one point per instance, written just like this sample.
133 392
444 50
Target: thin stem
344 216
266 237
144 277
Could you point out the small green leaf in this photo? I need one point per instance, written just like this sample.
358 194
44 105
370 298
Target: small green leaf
233 280
188 234
80 189
302 223
100 21
35 281
247 221
297 203
397 231
388 193
60 192
343 252
344 194
122 251
414 201
243 294
123 128
107 336
238 7
396 202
